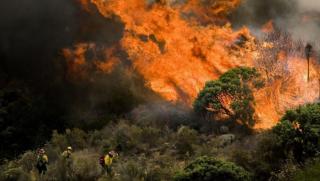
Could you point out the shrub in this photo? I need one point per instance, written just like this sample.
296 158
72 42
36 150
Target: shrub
77 138
298 132
28 161
14 174
124 137
13 171
207 169
59 140
131 170
287 172
186 137
86 166
150 136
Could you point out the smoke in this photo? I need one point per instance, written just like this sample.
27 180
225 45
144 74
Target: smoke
301 18
309 5
258 12
33 34
164 114
34 31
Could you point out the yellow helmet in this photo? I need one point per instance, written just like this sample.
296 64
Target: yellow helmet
69 148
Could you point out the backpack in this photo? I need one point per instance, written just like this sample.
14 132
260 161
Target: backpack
101 161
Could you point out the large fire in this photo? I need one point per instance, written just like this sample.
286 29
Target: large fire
178 46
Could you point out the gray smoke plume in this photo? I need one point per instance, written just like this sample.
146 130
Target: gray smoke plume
301 18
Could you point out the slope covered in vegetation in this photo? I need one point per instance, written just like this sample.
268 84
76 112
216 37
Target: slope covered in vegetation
164 142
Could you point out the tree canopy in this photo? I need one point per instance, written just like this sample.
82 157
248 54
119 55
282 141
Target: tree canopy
230 95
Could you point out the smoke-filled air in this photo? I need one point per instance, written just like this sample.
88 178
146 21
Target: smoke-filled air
159 89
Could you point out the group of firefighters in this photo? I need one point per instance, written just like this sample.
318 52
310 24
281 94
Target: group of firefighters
42 160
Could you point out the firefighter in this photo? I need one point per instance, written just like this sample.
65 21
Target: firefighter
67 161
42 161
106 161
67 153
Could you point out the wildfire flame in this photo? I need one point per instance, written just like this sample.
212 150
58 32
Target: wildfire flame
175 54
177 47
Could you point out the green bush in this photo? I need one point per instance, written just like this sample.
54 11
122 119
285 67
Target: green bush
27 161
151 136
298 132
13 171
209 169
59 141
131 170
77 138
186 138
126 137
15 174
86 166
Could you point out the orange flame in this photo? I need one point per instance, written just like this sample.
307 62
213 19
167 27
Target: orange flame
268 27
175 55
79 66
178 47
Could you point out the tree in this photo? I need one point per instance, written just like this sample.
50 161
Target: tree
210 169
231 95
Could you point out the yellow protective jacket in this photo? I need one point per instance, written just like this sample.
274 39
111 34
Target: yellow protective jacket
43 159
108 160
66 154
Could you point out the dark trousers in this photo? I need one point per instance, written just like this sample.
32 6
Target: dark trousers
108 169
42 168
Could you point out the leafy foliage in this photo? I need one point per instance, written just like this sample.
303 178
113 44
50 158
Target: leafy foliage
206 168
150 151
235 85
298 132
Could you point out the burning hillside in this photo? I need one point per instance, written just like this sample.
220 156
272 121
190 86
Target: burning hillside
178 46
160 87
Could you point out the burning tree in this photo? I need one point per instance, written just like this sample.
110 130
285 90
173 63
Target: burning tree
273 54
230 97
308 52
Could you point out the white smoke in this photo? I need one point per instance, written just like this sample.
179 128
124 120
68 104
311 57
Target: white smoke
301 18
